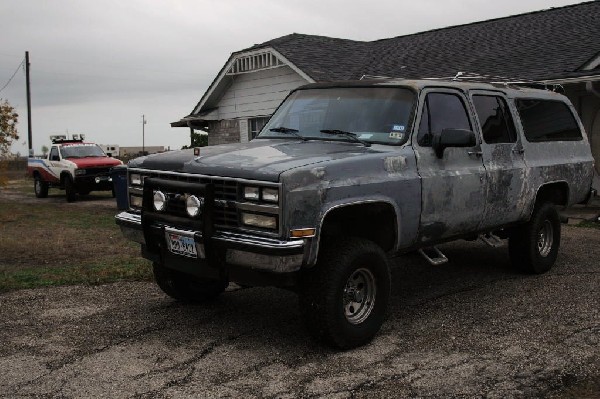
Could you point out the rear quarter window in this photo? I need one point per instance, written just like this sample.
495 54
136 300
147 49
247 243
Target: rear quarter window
547 120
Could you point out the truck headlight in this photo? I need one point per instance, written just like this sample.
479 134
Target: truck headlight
270 194
262 221
160 200
135 201
267 194
252 193
80 172
135 179
193 205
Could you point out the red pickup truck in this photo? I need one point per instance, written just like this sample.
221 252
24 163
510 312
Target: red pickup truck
73 165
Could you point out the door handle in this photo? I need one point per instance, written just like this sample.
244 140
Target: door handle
518 150
476 153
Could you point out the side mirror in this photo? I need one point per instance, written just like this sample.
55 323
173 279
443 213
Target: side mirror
452 138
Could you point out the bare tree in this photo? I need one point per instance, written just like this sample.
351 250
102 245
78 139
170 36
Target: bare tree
8 127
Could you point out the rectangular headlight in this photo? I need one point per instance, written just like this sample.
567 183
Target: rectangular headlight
135 201
79 172
262 221
270 194
252 193
135 179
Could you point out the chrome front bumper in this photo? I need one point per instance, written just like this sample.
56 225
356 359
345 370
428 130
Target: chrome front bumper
254 252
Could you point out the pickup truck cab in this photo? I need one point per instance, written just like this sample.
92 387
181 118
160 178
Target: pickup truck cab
73 165
345 176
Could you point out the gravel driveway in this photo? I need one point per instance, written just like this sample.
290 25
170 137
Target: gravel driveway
470 328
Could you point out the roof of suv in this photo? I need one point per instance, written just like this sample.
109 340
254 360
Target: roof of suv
509 89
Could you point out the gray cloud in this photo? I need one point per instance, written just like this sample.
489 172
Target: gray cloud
98 66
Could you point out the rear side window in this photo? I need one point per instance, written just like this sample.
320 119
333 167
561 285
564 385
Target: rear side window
494 117
547 120
441 111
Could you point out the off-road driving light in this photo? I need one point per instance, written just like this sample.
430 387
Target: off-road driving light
159 201
262 221
270 194
193 205
136 179
251 193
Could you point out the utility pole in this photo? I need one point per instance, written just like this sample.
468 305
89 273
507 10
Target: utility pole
28 103
144 134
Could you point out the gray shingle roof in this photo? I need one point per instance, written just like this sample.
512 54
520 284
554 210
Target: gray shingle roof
545 44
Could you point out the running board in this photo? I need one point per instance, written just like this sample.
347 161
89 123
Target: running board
492 240
438 257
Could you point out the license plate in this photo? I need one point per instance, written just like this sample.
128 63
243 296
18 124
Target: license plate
181 245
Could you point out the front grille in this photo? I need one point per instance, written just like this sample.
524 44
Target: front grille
97 171
225 212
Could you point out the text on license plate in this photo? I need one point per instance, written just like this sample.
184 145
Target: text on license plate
181 245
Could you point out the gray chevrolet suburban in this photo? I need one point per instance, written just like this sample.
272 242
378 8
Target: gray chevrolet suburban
346 175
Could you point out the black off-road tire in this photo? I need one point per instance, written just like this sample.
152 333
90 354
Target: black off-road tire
533 247
187 288
70 191
332 314
40 187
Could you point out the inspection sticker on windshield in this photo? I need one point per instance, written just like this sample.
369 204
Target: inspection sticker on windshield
398 128
396 135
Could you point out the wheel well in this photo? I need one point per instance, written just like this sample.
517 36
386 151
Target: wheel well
556 193
64 176
373 221
36 173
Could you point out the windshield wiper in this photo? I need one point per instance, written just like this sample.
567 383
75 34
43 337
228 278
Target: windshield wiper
344 133
282 129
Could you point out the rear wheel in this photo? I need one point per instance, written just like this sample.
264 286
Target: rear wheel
40 187
185 287
70 191
533 247
344 297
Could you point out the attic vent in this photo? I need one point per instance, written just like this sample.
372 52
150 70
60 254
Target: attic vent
254 62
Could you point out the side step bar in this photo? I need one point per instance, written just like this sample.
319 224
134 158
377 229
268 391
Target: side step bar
435 257
492 240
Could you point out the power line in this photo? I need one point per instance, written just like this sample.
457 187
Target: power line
13 75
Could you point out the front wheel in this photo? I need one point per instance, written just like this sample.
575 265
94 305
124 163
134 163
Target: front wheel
186 288
533 247
344 297
70 191
40 187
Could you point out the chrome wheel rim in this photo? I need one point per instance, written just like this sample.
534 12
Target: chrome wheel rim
38 186
359 296
545 238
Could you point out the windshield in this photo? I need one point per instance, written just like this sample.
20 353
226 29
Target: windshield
372 114
81 151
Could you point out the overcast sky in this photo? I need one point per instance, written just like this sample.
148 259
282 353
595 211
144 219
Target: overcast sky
97 66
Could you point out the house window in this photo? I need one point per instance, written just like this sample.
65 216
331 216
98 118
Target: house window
255 125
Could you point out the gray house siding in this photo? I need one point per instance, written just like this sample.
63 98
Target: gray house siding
250 95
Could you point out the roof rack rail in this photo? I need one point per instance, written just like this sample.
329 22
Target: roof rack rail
501 80
363 77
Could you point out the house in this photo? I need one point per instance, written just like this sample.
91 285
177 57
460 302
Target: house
558 46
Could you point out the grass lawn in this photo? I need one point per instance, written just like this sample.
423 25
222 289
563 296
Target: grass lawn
46 242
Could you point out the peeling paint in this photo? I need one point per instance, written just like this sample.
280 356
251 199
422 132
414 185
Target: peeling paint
395 164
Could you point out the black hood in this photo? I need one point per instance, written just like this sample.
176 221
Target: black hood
259 159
